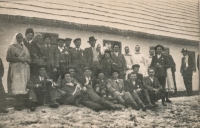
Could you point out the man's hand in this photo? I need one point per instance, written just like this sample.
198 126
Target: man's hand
104 96
118 93
159 66
39 85
97 89
55 70
138 90
84 89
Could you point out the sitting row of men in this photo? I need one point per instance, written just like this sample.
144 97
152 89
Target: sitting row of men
97 94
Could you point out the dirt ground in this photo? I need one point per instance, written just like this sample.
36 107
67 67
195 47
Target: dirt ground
183 112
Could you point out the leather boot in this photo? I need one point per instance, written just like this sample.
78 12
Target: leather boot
163 101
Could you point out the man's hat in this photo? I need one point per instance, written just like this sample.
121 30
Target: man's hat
71 67
113 71
68 39
135 65
184 50
100 71
92 39
29 30
159 46
47 35
77 39
60 39
107 51
87 68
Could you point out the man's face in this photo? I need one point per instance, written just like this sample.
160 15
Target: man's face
107 55
38 39
126 50
115 75
98 47
68 78
151 52
42 72
137 48
92 43
29 36
88 73
133 77
72 71
61 43
47 41
116 48
67 43
77 43
184 53
101 76
19 38
136 69
151 73
159 50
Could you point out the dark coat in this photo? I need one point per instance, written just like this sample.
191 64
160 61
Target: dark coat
164 62
102 87
48 55
172 63
88 56
27 44
189 69
120 62
76 57
149 85
112 86
129 87
107 66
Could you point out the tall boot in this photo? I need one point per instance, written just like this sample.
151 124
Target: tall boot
167 97
32 105
142 106
163 101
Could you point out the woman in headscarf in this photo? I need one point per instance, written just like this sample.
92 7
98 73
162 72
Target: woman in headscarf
19 70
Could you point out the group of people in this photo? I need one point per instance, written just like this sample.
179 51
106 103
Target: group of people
54 75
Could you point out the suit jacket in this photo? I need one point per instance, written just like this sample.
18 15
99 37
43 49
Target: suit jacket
130 87
112 86
139 78
119 61
48 55
76 56
91 85
27 44
164 62
101 85
172 63
149 85
88 56
1 68
62 57
36 54
107 66
189 69
34 80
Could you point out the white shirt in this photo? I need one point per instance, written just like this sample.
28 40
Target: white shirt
116 53
117 80
151 78
78 49
87 80
133 82
60 49
41 78
186 60
158 56
47 45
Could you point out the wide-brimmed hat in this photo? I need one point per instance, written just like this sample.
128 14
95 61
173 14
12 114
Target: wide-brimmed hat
92 39
184 50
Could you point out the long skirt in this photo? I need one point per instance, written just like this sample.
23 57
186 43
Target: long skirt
169 81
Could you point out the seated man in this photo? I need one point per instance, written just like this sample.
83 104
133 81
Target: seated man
137 91
136 68
115 88
100 85
69 91
153 86
40 87
90 98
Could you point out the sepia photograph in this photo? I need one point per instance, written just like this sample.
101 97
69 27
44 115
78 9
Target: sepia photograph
99 64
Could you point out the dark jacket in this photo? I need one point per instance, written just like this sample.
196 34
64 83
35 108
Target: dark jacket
189 69
130 87
112 86
48 55
172 63
27 44
164 62
149 85
120 62
76 56
102 86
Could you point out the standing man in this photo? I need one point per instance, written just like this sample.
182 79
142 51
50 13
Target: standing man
62 57
187 65
160 63
48 55
28 38
68 43
92 56
119 62
77 57
129 61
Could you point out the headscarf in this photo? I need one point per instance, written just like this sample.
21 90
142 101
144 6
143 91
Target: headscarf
14 40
